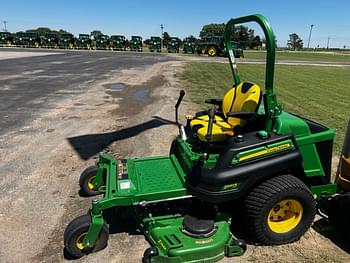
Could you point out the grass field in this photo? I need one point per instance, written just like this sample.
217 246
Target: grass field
319 93
302 56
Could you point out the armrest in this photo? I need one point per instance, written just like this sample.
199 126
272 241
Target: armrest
245 115
217 102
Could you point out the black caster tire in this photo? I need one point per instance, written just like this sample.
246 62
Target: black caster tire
85 181
149 254
279 210
74 236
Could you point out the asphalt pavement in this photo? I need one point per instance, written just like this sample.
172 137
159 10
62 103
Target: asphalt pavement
32 84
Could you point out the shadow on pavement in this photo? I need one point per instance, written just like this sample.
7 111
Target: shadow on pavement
89 145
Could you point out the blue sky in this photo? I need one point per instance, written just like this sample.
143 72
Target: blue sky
182 18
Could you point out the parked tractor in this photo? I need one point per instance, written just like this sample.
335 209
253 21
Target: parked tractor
215 46
84 42
27 39
173 45
6 39
155 44
135 43
189 44
66 41
101 42
50 40
118 42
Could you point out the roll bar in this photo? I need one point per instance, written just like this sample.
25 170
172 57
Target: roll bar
272 109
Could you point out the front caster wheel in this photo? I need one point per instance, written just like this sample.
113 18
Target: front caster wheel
75 233
149 254
86 182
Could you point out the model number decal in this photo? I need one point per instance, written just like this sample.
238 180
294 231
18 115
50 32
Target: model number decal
266 151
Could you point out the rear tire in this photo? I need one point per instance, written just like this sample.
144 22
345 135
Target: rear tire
280 210
75 233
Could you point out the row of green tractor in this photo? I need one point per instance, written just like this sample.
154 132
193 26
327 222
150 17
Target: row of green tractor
68 41
212 45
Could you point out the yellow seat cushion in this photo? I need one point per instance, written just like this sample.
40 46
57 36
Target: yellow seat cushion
220 128
243 98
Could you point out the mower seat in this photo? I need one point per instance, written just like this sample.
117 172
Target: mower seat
245 98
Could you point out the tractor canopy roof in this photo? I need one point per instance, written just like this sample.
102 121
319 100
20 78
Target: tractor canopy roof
155 38
32 34
84 36
104 37
66 35
136 38
50 35
21 34
5 34
118 37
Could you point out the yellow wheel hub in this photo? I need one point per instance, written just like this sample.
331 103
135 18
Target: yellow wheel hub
79 242
212 51
285 216
90 185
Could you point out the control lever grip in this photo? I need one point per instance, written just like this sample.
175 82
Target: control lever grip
211 114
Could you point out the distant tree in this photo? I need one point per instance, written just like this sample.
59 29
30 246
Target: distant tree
212 30
62 31
40 30
166 38
95 33
146 41
295 42
256 42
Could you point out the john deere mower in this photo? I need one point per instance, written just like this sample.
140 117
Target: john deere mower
244 156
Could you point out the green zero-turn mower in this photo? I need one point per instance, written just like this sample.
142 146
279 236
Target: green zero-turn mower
245 156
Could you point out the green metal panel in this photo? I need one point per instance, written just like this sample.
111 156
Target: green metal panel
322 191
288 123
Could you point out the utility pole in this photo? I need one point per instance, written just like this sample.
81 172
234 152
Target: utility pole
5 22
308 43
328 42
161 32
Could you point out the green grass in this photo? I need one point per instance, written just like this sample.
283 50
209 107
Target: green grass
319 93
301 55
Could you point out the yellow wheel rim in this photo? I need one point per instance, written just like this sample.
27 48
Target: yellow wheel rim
79 242
285 216
90 185
212 51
